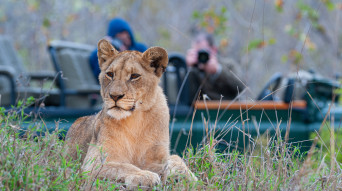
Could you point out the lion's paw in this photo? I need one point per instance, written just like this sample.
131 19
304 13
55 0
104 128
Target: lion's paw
144 179
182 171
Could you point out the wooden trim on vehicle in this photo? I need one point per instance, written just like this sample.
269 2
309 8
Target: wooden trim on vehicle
258 105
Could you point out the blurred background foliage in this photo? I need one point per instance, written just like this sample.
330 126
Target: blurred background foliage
263 36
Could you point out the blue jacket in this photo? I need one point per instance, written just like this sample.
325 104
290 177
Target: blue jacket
116 26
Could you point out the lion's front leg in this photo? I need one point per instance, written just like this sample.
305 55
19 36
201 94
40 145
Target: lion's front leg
176 167
131 175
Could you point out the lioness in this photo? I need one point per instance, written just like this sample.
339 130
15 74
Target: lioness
128 140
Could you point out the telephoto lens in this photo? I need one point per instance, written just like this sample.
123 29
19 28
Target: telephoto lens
117 43
203 56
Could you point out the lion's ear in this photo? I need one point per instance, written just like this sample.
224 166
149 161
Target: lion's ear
104 51
157 59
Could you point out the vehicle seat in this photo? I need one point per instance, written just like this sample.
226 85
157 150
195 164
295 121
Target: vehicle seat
79 88
15 80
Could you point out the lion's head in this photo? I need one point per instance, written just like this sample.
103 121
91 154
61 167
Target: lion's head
129 79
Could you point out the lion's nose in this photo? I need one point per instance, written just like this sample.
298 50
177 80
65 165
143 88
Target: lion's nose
116 97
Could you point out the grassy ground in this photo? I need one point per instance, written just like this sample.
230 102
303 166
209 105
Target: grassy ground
35 162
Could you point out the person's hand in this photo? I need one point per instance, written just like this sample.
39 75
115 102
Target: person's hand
191 57
212 65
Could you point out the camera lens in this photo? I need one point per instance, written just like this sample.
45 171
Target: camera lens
203 56
117 43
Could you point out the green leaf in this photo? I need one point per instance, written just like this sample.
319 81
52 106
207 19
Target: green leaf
223 10
254 44
272 41
20 103
329 5
195 14
46 23
284 58
30 100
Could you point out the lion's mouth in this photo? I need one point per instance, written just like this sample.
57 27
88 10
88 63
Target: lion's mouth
117 108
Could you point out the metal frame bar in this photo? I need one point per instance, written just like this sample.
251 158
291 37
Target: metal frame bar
179 63
60 81
13 93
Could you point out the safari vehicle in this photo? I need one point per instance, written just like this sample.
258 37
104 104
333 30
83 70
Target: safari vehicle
237 121
298 103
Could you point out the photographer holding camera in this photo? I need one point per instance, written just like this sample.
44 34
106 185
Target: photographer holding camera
121 36
211 74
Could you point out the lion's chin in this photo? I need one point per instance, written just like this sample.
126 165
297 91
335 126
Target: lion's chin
118 114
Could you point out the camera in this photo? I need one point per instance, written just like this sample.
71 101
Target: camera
203 56
117 43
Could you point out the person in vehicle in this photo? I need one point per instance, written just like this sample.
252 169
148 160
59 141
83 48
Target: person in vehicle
121 36
210 73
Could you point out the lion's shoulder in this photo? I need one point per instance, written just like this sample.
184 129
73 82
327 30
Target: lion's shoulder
81 126
79 136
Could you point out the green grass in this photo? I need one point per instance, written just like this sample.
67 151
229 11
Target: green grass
32 162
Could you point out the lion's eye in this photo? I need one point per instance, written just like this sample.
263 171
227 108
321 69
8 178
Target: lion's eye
134 76
110 74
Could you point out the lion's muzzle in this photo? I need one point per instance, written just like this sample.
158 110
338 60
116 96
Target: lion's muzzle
116 97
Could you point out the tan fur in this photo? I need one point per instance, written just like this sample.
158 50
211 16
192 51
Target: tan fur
128 140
